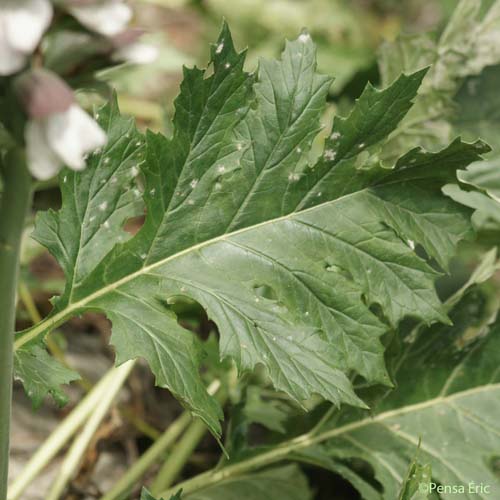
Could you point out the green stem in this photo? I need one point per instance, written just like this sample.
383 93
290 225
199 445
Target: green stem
154 453
266 458
82 441
216 475
151 456
284 450
323 420
183 450
36 317
14 204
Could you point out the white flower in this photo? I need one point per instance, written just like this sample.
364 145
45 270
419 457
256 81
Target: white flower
107 17
136 53
58 131
22 24
61 139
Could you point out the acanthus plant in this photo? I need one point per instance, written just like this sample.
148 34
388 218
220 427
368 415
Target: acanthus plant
308 265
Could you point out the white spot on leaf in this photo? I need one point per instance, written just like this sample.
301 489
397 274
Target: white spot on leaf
329 155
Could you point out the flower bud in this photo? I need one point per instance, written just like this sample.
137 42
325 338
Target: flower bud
42 93
58 131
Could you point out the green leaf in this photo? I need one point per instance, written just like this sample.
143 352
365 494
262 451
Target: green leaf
146 495
416 483
281 482
302 267
270 414
41 374
451 411
484 198
96 203
319 457
467 45
478 108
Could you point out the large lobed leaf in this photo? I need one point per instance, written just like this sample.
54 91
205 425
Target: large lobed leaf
449 416
303 267
445 426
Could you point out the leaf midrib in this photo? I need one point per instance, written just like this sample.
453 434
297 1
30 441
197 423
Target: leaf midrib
279 140
92 196
192 147
404 410
282 451
45 326
53 321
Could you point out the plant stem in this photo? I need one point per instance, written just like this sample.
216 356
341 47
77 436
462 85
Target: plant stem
14 205
323 420
36 317
60 436
176 461
54 349
283 451
274 455
151 456
184 449
122 488
81 443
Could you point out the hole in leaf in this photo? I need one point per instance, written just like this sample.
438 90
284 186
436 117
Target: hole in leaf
133 224
190 315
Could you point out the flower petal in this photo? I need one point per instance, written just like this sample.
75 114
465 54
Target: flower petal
11 60
42 161
72 134
136 53
25 23
42 93
107 18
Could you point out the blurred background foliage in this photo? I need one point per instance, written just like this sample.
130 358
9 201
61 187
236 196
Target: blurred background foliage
347 35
